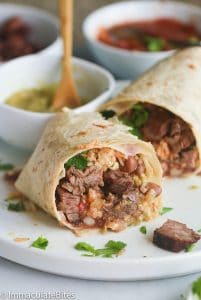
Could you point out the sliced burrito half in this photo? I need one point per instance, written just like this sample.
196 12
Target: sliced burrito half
164 107
91 173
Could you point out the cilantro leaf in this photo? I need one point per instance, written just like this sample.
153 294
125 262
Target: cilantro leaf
16 206
111 248
137 120
115 245
196 288
41 243
199 230
105 252
82 246
143 229
79 162
140 115
136 132
165 210
190 248
155 44
126 121
6 166
107 114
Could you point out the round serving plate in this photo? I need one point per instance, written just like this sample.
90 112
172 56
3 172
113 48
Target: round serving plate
142 260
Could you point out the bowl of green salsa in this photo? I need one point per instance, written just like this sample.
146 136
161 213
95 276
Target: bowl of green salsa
28 86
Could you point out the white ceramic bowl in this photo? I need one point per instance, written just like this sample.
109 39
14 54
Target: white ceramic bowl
130 64
44 26
23 128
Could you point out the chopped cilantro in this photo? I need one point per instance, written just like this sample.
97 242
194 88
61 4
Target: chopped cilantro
111 248
196 288
41 243
190 248
155 44
83 246
6 166
165 210
199 230
107 114
135 131
140 115
126 121
79 162
138 119
143 229
16 206
115 246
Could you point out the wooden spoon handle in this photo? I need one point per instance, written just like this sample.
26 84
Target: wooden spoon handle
66 94
66 15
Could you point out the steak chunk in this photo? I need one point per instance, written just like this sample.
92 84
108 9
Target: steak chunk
69 204
77 181
157 125
117 182
174 236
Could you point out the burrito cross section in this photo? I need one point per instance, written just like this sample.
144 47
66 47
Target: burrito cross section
107 193
91 173
171 137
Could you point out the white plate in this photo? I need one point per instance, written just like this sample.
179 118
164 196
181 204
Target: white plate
141 260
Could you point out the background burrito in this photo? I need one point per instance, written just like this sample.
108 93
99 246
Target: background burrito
164 107
90 173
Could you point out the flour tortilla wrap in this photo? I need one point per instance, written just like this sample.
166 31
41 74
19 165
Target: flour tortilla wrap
67 135
173 84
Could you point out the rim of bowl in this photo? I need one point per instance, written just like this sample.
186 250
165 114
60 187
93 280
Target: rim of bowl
40 11
106 73
134 52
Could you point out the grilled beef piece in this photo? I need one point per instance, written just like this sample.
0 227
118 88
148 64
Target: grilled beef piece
162 124
174 236
69 204
190 158
77 181
157 125
72 188
117 182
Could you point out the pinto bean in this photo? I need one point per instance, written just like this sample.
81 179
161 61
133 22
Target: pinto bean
130 165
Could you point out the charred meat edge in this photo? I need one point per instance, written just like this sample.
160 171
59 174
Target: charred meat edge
174 236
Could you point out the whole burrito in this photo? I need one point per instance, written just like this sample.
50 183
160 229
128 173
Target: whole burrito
164 107
90 173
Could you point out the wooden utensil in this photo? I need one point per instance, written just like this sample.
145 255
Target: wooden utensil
66 94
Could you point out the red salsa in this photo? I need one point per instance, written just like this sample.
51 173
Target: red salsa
154 35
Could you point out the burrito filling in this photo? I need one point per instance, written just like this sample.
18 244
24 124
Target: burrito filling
171 137
103 188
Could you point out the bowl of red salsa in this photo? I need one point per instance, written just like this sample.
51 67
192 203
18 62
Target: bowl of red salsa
130 37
